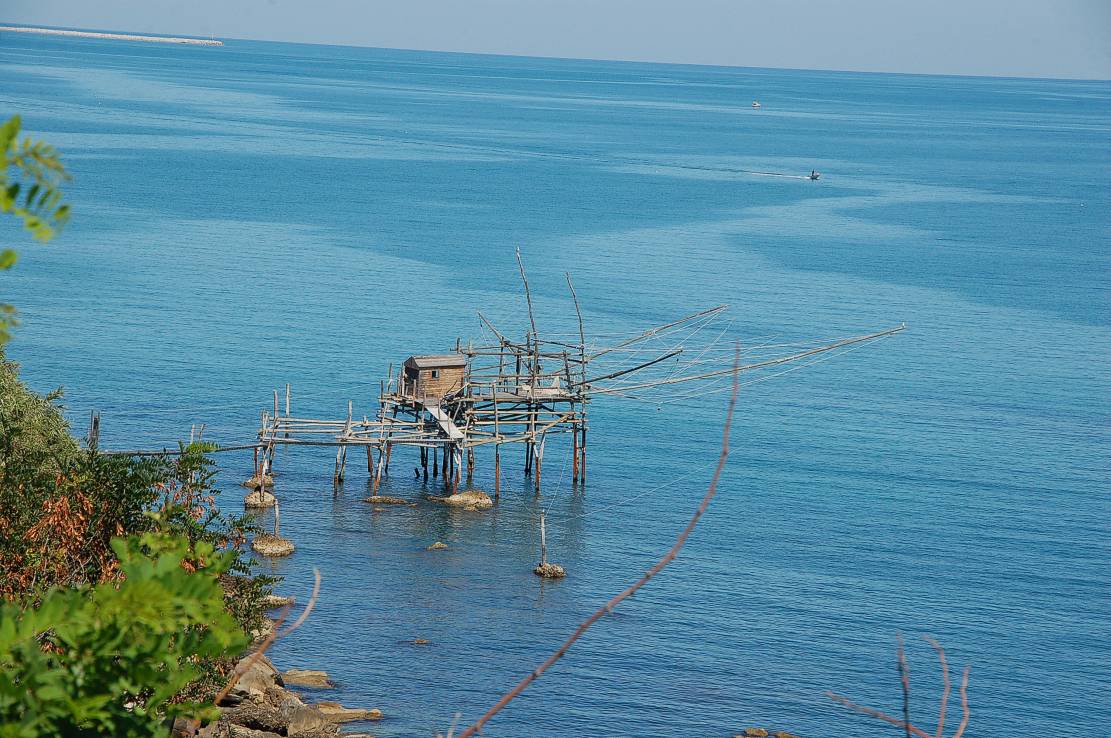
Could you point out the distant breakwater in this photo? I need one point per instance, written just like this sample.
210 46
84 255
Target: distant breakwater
115 36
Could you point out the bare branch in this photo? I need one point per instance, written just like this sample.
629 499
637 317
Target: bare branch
946 687
964 703
904 673
904 677
245 665
877 714
629 591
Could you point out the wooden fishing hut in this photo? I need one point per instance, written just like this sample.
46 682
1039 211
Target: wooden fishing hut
512 391
433 376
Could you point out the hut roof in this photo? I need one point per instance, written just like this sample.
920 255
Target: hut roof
435 361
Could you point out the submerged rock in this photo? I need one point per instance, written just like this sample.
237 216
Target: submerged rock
307 678
437 546
259 499
471 499
269 544
385 500
754 733
550 571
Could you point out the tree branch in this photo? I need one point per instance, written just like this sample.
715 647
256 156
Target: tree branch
629 591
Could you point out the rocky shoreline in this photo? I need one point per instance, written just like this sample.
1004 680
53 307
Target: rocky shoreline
261 705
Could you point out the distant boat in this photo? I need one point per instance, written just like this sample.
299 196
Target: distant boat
756 104
814 174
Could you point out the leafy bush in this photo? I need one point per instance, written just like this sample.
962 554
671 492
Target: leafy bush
108 660
61 507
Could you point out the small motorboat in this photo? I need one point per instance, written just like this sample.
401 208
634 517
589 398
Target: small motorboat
756 104
814 174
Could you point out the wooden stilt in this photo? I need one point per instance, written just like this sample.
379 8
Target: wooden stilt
435 461
470 465
497 471
444 464
424 461
575 456
369 460
539 460
389 448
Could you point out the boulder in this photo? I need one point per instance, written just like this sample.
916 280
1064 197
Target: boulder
754 733
256 717
551 571
259 499
238 731
307 678
437 546
420 641
306 720
783 734
269 544
334 712
471 499
256 483
259 677
287 703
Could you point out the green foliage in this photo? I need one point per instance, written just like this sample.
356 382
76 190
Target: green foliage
108 660
61 507
31 424
31 176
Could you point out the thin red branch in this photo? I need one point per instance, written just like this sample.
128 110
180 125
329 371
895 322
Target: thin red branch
904 677
946 687
629 591
904 672
879 715
964 703
245 665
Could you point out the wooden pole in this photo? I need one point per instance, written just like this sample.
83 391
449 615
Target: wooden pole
543 542
497 471
277 518
389 448
369 460
470 465
539 461
275 402
435 461
574 455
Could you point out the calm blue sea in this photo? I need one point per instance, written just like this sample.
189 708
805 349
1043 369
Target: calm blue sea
262 213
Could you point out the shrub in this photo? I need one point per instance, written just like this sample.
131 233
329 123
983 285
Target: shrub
109 659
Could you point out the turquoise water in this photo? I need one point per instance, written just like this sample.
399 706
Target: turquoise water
263 213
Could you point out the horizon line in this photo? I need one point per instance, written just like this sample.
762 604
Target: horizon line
220 41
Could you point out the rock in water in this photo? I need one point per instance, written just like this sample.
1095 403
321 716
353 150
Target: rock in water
437 546
268 544
385 500
307 678
549 571
259 499
472 499
334 712
255 483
